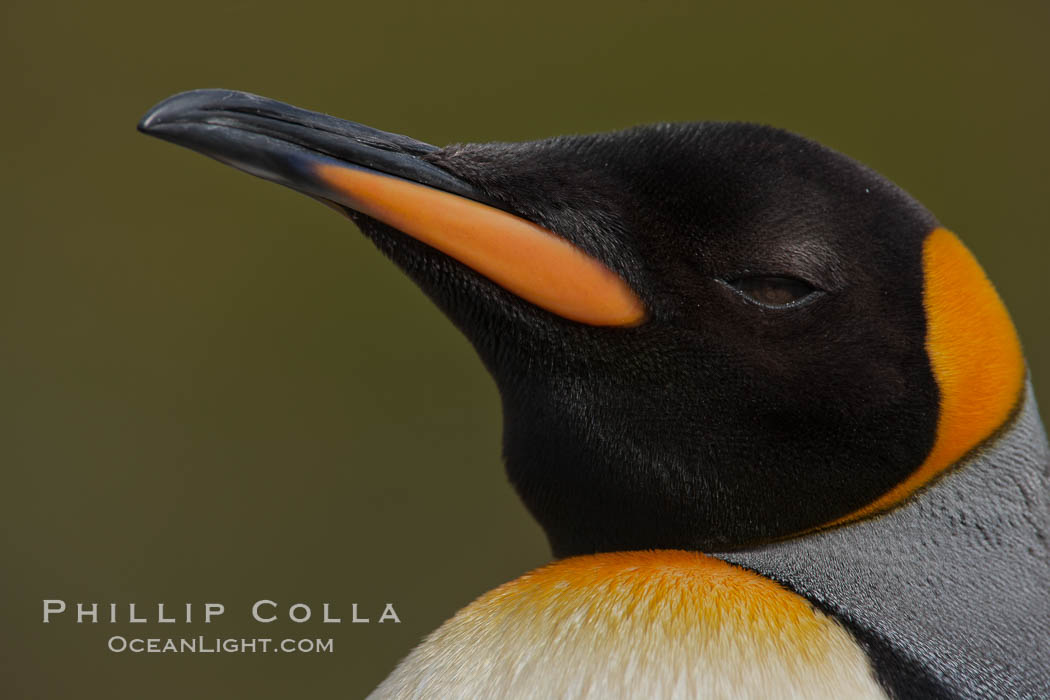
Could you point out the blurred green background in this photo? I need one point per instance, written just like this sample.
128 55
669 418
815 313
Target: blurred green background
216 390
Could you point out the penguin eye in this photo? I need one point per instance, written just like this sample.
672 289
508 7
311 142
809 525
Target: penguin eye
772 290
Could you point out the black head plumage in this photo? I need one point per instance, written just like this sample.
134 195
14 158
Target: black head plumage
724 419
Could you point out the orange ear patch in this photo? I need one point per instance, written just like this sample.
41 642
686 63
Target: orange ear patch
975 355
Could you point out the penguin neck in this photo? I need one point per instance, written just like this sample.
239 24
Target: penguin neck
949 589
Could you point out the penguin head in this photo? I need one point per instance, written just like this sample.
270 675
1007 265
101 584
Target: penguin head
730 335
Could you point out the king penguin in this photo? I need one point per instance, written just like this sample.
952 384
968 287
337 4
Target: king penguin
772 416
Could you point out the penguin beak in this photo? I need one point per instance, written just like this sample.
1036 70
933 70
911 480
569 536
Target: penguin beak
387 177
